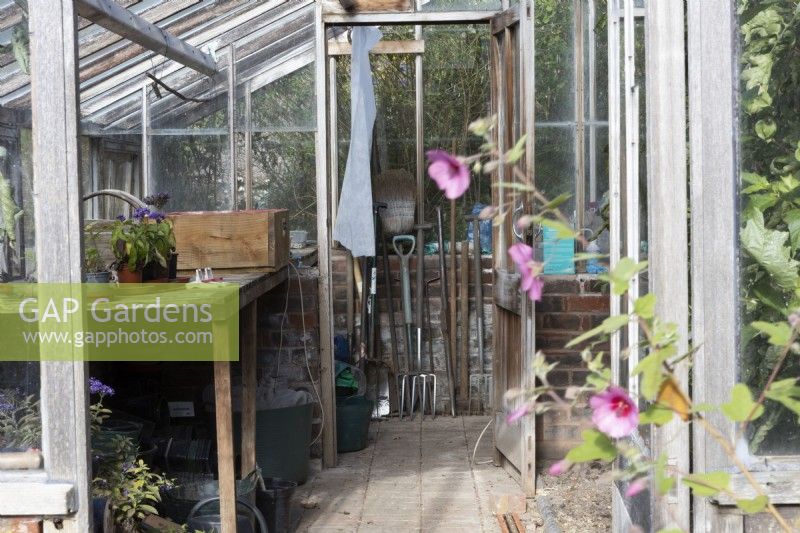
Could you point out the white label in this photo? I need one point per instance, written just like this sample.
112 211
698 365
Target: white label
181 409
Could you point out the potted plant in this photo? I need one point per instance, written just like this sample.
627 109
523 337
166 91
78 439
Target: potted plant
140 240
95 268
125 488
166 239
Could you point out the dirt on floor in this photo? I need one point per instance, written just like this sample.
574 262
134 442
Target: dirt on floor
580 499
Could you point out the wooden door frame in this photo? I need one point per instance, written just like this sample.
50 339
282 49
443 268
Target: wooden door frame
514 26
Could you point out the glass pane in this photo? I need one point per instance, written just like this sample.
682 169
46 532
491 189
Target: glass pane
192 169
20 426
284 176
770 180
555 163
288 103
189 151
555 66
456 91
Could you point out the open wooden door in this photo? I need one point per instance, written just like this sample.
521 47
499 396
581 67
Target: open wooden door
512 104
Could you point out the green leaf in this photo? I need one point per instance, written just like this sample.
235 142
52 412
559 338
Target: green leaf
557 201
651 369
780 333
595 447
703 407
792 219
758 103
656 414
756 505
513 155
663 482
766 128
741 405
619 277
609 325
645 306
768 248
709 484
787 393
562 230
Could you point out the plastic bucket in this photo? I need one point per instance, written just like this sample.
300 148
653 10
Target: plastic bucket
283 437
352 423
275 503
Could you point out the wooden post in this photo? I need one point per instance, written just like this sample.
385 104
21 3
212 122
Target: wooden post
463 370
526 39
225 463
713 121
57 189
326 378
248 357
668 227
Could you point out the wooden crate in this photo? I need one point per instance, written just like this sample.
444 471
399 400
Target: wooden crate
231 241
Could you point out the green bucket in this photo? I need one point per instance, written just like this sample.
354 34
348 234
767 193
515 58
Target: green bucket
352 423
283 437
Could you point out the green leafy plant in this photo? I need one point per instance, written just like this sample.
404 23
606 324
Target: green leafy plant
20 420
770 218
143 238
132 488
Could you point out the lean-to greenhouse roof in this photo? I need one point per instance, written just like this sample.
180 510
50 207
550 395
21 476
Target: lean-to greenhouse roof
271 38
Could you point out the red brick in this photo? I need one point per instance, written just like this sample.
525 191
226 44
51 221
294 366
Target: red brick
596 303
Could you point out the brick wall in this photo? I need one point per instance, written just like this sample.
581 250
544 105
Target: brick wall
570 306
282 341
432 330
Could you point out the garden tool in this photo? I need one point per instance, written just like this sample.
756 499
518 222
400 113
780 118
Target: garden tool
444 321
426 380
387 281
476 255
400 243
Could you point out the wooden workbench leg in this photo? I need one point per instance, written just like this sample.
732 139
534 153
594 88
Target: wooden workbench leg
227 476
248 357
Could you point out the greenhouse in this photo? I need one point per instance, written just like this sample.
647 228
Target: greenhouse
399 265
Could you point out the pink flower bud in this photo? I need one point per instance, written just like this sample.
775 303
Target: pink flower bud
556 469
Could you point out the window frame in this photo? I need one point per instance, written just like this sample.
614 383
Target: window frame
62 486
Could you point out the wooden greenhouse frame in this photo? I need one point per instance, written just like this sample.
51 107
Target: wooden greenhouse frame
691 111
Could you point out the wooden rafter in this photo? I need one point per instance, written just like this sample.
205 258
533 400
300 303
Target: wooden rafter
112 16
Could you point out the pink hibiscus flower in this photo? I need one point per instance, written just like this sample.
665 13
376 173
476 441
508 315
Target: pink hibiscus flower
556 469
450 173
614 414
518 413
529 270
636 486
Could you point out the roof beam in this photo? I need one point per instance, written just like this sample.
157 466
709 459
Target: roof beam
112 16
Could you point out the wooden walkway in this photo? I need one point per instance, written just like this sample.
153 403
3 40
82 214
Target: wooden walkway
414 476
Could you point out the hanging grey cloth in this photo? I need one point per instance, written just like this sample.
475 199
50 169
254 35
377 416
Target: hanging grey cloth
355 227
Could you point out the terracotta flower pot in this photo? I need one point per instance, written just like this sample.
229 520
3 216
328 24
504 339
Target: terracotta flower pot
127 276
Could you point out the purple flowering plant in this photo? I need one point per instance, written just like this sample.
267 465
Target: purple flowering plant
145 237
662 398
